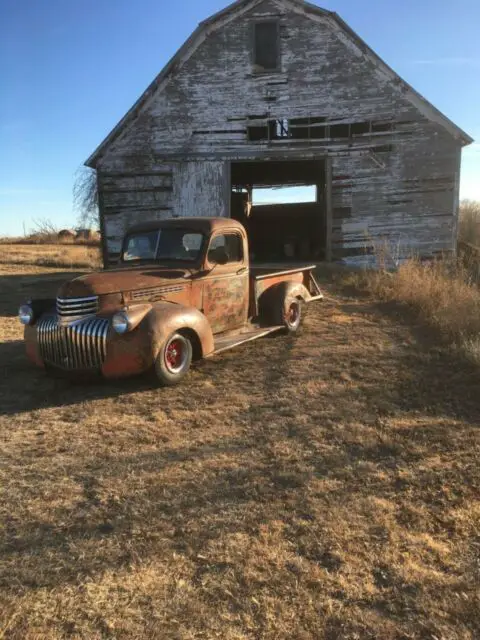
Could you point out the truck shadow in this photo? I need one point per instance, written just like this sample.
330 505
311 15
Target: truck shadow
25 387
17 288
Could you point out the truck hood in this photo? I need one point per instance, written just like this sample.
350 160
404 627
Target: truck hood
121 280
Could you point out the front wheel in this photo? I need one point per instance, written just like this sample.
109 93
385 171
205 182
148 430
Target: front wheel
173 360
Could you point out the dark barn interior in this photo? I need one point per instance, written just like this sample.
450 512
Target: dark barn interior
279 232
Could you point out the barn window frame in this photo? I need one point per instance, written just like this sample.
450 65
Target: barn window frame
259 69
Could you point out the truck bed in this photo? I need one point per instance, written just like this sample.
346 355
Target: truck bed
264 276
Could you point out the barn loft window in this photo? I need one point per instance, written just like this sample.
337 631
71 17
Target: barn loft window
340 131
279 129
262 128
382 127
266 47
257 133
268 130
305 128
359 128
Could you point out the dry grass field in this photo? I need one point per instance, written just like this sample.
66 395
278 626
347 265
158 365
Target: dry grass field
71 256
319 487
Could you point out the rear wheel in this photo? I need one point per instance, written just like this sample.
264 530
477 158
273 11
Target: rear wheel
173 360
293 315
290 313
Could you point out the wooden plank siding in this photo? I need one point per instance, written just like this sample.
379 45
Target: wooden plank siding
128 198
200 188
398 186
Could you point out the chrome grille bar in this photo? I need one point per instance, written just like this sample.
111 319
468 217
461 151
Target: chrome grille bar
80 346
75 308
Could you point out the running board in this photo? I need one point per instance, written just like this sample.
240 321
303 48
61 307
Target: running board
223 343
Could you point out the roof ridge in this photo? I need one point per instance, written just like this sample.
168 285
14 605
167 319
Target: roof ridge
421 103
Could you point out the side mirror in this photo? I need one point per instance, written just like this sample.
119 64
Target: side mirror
219 256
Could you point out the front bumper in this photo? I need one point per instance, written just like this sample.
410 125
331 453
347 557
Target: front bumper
87 346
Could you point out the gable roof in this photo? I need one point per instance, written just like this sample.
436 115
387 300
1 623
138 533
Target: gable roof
217 20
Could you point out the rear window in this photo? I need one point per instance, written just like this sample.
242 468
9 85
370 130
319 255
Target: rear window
231 242
141 246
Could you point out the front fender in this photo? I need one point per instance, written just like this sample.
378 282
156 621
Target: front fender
167 318
136 351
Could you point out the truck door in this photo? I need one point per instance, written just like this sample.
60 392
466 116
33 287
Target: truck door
226 288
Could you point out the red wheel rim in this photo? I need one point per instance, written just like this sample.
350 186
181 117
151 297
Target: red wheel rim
293 313
174 355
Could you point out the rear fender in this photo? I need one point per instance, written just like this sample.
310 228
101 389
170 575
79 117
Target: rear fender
278 293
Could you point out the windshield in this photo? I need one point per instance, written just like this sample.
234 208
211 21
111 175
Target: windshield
163 244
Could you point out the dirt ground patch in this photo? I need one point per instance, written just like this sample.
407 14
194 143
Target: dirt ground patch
319 487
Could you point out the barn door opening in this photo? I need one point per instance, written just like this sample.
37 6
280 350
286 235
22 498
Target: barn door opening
283 205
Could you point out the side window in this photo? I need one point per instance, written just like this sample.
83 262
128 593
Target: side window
231 243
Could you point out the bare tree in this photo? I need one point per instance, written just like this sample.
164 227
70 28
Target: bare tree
85 197
42 231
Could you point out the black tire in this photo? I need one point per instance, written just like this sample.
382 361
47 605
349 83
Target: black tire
290 313
173 360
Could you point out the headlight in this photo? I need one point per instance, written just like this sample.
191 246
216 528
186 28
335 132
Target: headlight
120 322
25 314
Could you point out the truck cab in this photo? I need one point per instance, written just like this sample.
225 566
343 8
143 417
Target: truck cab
183 290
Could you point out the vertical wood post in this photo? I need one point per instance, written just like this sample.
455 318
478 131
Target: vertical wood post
227 169
328 209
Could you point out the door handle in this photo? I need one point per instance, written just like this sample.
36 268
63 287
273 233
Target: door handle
242 270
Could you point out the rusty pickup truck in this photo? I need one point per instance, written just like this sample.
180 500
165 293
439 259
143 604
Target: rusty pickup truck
183 290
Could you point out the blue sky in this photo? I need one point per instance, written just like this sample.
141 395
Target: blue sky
70 70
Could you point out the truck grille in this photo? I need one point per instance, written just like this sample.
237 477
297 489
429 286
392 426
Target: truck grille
80 346
76 308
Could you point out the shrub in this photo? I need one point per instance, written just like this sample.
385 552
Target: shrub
442 292
469 222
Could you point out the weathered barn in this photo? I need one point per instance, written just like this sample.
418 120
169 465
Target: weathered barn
270 93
